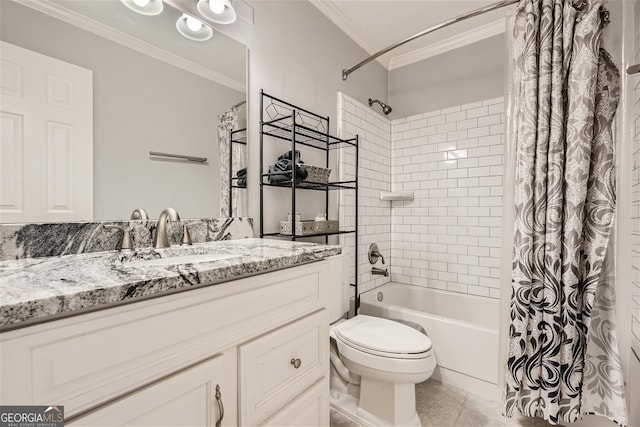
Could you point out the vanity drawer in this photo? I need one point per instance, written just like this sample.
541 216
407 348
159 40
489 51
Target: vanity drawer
309 409
269 378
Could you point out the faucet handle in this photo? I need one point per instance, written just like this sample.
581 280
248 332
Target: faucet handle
127 243
186 236
374 254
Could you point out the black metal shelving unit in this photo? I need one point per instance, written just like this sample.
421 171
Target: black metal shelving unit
281 120
236 137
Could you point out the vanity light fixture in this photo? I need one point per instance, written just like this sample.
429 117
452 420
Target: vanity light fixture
193 28
145 7
218 11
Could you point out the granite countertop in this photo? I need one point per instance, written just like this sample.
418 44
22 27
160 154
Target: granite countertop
39 289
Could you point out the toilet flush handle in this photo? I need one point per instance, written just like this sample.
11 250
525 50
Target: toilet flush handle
296 363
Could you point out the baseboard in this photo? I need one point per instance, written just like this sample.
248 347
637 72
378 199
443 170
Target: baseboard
469 384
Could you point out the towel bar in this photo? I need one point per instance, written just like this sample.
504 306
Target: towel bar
179 156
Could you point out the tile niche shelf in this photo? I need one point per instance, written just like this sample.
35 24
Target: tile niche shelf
295 128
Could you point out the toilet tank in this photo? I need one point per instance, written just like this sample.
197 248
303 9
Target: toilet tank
337 298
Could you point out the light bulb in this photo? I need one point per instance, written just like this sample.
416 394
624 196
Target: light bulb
193 28
144 7
217 6
193 24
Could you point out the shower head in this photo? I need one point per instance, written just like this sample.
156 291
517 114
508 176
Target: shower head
385 108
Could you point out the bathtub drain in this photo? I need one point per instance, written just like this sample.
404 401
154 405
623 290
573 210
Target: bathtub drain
380 296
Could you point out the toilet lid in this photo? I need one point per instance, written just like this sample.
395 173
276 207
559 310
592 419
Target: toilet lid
378 335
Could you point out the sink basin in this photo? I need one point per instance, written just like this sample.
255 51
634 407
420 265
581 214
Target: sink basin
185 259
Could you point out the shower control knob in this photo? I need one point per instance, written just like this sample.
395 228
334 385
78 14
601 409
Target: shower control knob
374 254
296 363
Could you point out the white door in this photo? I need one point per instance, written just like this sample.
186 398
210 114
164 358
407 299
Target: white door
198 396
46 145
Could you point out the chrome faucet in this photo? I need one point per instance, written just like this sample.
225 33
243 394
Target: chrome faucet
160 240
380 271
139 214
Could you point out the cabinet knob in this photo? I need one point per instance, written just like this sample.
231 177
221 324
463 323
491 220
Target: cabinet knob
296 363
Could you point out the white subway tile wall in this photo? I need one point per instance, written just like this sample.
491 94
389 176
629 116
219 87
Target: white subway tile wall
635 208
452 159
374 132
449 236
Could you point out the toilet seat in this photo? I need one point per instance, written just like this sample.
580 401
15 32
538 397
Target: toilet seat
382 337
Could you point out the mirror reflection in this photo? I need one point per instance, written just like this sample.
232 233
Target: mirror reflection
150 89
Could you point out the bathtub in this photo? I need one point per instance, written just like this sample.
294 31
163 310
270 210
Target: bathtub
463 330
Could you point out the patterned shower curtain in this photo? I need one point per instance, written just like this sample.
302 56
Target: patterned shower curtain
226 123
563 359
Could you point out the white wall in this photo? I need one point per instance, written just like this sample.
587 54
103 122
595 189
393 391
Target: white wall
374 175
452 159
467 74
297 54
140 105
448 237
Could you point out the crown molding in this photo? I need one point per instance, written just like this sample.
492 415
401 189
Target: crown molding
110 33
471 36
342 21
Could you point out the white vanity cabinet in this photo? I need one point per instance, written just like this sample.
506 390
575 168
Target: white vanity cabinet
262 341
193 397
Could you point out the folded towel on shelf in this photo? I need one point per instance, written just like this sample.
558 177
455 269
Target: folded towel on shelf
242 182
282 171
284 164
241 173
287 156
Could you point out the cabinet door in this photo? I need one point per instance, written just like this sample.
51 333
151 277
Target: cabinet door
197 396
309 409
281 365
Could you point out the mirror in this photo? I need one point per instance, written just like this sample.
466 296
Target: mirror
153 90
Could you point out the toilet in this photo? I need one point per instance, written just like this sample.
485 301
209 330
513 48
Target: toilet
375 364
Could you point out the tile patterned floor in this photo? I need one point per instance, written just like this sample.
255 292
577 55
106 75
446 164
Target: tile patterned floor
441 405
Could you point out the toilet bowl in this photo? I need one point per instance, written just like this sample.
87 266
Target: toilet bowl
376 364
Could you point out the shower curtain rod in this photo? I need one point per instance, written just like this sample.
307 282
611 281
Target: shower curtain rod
498 5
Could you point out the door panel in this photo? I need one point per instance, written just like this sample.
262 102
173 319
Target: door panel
46 152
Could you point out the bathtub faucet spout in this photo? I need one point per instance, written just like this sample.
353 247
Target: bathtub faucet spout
380 271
